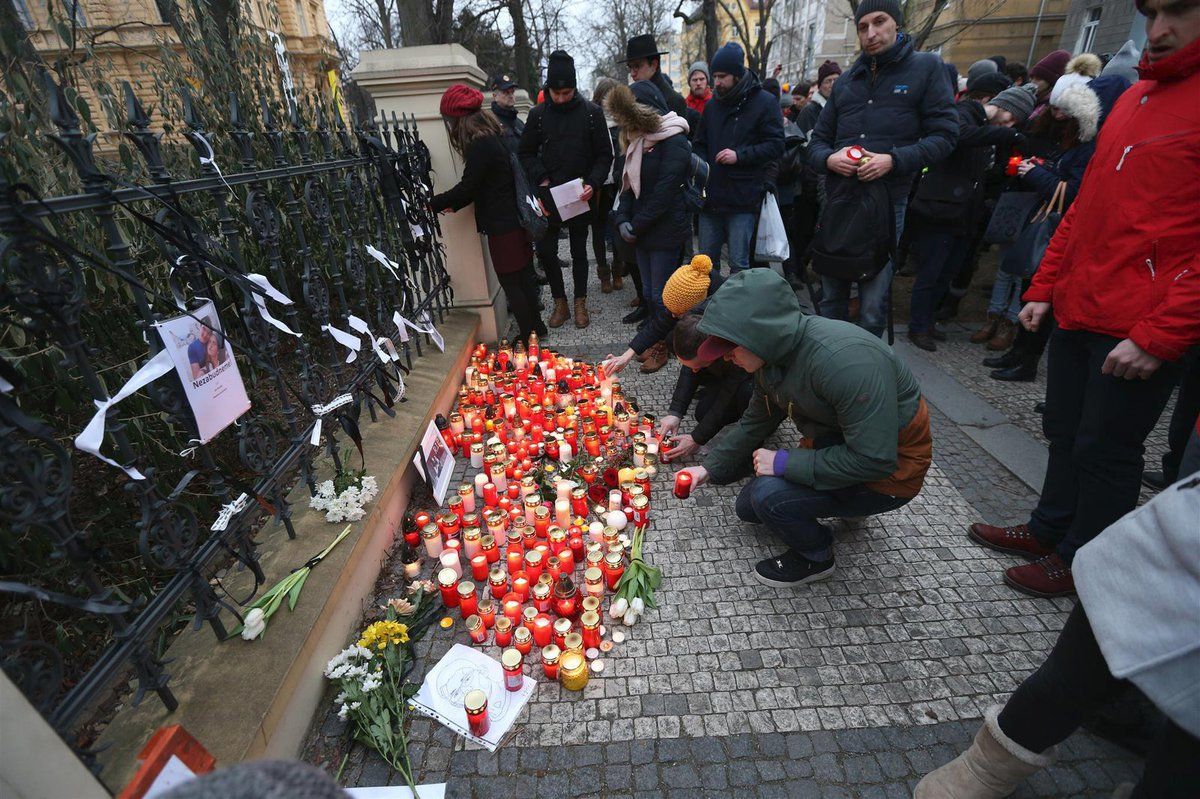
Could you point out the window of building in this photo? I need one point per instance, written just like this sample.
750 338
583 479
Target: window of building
301 18
23 14
1087 33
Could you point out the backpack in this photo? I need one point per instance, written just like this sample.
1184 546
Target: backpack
855 234
529 212
694 183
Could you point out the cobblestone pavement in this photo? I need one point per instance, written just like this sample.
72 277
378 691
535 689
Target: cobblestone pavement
852 687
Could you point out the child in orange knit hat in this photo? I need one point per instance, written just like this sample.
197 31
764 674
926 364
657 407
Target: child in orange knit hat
686 288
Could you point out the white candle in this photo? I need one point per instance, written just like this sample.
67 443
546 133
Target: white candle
652 447
614 500
639 460
468 502
564 488
476 458
500 478
564 453
596 531
433 545
480 481
450 560
562 513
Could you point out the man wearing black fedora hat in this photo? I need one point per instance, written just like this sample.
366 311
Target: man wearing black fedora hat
644 60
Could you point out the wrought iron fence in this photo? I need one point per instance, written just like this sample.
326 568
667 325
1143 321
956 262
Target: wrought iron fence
333 217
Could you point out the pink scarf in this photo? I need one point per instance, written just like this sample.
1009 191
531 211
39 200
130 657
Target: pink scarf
631 177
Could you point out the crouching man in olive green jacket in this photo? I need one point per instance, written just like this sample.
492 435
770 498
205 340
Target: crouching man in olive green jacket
866 444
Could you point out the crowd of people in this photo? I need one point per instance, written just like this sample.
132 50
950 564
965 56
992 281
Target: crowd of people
1081 171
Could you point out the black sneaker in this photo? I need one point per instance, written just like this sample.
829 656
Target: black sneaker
792 569
638 314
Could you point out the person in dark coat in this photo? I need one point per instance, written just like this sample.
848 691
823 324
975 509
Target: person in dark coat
566 138
650 209
941 238
504 106
487 180
741 132
644 60
896 104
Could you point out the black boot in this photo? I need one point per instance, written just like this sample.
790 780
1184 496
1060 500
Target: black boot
1006 360
1021 373
948 309
638 314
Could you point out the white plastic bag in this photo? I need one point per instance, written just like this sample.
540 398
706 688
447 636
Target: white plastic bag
771 243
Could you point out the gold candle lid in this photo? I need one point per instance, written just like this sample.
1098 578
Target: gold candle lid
550 653
529 614
533 557
447 577
431 530
562 626
466 589
511 658
589 603
473 623
574 642
541 590
488 605
590 619
522 635
476 701
497 576
572 661
592 574
503 623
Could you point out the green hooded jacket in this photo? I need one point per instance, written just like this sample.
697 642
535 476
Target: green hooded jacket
828 377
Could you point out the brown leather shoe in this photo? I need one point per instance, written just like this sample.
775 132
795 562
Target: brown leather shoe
618 282
923 341
581 312
656 358
559 314
986 332
1006 331
606 287
1047 577
636 302
1015 540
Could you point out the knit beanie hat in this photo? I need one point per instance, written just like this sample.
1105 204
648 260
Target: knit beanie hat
991 83
699 66
1051 68
1124 63
827 69
730 60
890 7
981 67
460 100
1017 100
560 70
1000 61
648 95
1079 72
687 286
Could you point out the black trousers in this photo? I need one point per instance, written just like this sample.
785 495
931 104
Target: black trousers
1183 418
547 251
1097 426
706 398
1071 685
521 288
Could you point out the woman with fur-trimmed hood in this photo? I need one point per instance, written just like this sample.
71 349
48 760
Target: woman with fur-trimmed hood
651 213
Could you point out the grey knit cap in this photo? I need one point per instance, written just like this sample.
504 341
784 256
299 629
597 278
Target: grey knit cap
700 66
981 67
1017 100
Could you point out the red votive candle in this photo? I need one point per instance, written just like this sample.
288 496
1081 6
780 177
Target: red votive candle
487 612
503 631
543 631
468 602
511 604
490 495
523 640
533 564
498 581
520 585
683 485
550 656
590 622
554 566
515 559
476 629
575 553
512 661
562 628
475 704
491 550
479 568
448 584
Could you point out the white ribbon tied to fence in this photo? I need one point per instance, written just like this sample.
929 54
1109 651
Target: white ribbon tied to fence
428 328
386 262
321 410
228 511
92 437
276 295
377 342
348 340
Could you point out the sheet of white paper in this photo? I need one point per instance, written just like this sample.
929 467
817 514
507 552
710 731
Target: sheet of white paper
436 791
174 772
566 199
464 669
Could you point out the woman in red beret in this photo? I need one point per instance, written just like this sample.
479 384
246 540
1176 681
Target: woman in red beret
487 180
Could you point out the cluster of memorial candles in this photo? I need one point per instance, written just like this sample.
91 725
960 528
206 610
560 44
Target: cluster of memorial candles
505 558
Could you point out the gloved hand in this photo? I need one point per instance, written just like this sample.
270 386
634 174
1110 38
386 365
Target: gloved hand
626 231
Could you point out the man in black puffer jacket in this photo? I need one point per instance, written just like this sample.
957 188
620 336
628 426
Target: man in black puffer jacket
644 60
741 133
895 104
566 138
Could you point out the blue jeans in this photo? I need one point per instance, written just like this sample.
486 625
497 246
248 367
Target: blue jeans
655 267
1006 296
736 230
791 511
941 255
872 294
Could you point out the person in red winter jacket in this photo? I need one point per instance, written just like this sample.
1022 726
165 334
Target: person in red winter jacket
1122 278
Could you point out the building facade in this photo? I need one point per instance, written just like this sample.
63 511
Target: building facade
688 46
1102 26
1019 30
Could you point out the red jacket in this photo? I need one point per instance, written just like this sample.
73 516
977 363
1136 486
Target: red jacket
1125 260
697 103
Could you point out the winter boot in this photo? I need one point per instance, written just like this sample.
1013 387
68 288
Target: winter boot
636 315
1006 331
991 768
581 312
986 332
656 358
618 282
604 272
559 314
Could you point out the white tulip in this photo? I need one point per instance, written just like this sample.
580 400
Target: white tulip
254 624
638 605
629 618
618 607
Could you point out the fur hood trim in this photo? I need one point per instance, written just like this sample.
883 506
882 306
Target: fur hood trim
1081 103
633 117
1086 64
